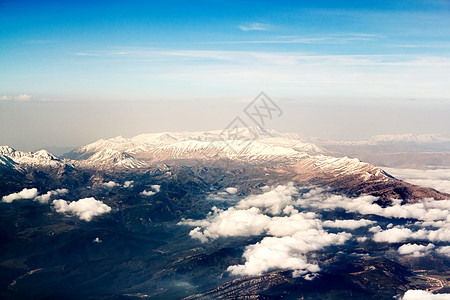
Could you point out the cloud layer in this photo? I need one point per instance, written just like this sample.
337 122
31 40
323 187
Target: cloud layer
290 234
438 179
423 295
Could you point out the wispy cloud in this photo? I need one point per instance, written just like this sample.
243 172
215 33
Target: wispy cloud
21 97
323 39
255 27
86 54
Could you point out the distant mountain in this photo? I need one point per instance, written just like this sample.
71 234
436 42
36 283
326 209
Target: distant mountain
278 155
175 143
404 150
111 159
407 138
38 158
119 231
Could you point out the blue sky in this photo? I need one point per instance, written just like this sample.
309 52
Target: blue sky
151 50
85 70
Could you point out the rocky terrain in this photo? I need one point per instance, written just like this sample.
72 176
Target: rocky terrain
164 216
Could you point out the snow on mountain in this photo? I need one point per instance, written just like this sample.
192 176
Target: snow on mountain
410 138
211 143
38 158
112 159
393 138
233 149
6 162
340 166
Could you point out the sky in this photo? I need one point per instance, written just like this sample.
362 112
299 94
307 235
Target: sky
75 71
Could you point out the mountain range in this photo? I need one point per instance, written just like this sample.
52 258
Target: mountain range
111 220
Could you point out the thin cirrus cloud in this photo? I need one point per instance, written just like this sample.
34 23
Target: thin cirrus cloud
323 39
255 27
20 97
294 72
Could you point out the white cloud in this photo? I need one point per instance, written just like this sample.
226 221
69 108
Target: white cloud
24 194
110 184
128 184
45 198
292 233
398 234
273 201
21 97
286 252
415 249
231 190
438 179
445 250
423 295
147 193
348 224
254 27
85 209
155 189
230 222
427 210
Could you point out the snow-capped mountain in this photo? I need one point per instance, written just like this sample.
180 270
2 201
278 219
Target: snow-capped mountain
38 158
207 142
111 159
384 139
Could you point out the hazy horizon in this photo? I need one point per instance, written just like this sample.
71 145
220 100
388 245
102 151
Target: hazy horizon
38 125
73 72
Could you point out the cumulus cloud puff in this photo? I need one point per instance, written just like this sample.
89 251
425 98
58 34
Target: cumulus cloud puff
287 252
289 233
155 188
423 295
85 209
24 194
445 250
231 190
272 201
45 198
110 184
348 224
428 210
399 234
415 249
128 184
292 234
147 193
